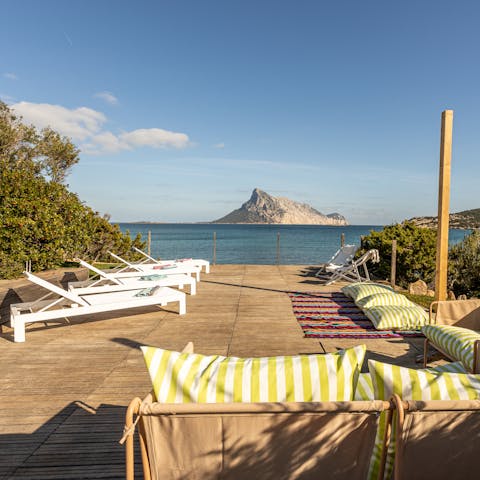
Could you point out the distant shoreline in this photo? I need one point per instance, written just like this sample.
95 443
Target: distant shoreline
242 223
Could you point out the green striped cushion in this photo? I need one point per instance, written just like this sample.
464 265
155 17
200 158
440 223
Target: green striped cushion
359 290
455 341
397 317
190 377
364 390
412 384
380 299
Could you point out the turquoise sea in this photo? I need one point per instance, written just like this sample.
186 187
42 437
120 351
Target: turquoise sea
253 244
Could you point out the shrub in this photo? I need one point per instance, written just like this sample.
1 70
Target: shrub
416 249
464 266
40 219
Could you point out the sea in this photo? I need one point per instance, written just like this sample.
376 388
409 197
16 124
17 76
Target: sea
253 244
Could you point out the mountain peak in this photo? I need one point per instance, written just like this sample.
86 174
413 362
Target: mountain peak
264 208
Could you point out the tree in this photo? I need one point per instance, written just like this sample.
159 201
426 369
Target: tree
464 266
56 155
416 249
23 147
40 219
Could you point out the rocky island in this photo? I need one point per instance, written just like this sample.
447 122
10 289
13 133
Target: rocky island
263 208
468 219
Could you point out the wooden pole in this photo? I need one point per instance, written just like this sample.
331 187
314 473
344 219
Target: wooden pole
149 242
342 240
278 248
443 205
393 265
214 248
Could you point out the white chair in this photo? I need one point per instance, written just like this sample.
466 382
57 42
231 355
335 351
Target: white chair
342 258
166 269
185 261
69 304
351 272
116 282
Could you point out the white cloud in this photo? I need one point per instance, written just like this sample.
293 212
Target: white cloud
219 145
79 124
86 126
108 97
10 75
155 138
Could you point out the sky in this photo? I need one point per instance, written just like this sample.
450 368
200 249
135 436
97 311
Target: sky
180 109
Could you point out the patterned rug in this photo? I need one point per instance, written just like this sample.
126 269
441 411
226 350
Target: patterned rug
334 315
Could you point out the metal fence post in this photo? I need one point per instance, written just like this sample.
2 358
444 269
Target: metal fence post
278 248
214 248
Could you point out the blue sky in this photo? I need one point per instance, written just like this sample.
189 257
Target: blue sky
182 108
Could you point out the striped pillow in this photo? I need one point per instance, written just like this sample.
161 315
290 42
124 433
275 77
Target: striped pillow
412 384
455 341
359 290
397 317
380 299
189 377
364 390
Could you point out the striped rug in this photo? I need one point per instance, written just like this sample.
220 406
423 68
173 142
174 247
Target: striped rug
334 315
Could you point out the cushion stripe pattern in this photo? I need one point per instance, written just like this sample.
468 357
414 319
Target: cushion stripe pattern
397 317
382 299
455 341
359 290
189 377
412 384
364 390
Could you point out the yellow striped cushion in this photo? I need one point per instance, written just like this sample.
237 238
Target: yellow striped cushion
397 317
380 299
191 377
364 289
412 384
364 390
455 341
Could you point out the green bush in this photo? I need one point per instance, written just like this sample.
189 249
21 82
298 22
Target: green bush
464 266
416 249
40 219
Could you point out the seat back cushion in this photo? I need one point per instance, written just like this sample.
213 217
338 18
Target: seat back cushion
457 342
191 377
411 384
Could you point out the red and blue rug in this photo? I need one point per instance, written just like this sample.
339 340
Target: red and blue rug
334 315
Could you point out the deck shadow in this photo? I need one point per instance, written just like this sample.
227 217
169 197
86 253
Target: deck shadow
79 442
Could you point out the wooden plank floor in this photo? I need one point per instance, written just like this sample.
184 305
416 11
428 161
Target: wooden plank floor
63 393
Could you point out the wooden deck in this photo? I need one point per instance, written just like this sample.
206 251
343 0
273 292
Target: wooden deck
64 392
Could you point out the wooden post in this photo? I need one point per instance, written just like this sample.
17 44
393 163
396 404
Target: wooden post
214 248
443 205
149 242
342 240
393 265
278 248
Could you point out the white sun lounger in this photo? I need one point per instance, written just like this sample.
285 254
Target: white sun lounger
184 261
166 269
111 282
352 272
342 258
70 304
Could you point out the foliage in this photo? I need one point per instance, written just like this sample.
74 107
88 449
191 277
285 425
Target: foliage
464 266
416 249
22 147
422 300
40 220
